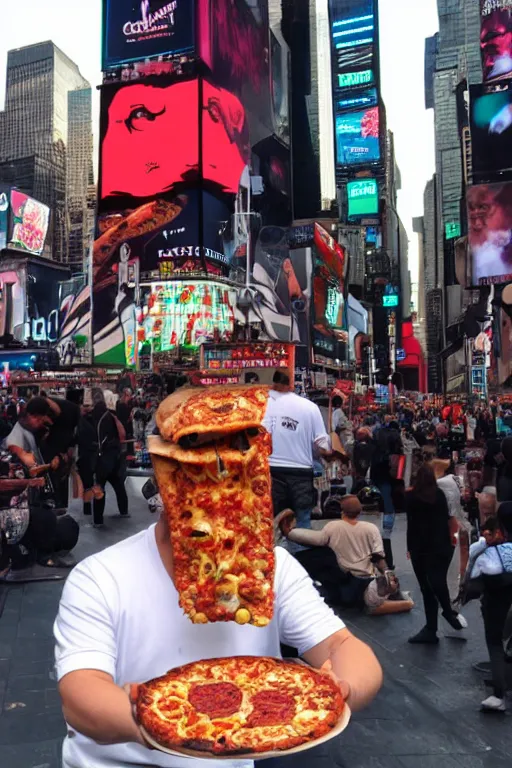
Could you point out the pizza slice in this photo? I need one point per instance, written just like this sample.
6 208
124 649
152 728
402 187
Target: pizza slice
218 503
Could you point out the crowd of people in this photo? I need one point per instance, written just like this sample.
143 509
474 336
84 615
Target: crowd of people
448 469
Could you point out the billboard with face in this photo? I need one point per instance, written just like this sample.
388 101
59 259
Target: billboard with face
235 45
496 39
491 130
490 233
29 223
4 217
140 29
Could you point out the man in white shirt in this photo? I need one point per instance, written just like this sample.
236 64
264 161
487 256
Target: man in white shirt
120 623
298 433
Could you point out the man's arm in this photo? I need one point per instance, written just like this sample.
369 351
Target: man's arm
309 538
98 708
353 662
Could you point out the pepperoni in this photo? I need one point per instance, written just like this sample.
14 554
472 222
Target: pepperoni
260 487
271 708
216 699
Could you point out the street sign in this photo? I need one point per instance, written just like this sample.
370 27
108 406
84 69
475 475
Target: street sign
390 301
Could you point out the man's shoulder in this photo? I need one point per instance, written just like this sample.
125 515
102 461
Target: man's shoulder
126 554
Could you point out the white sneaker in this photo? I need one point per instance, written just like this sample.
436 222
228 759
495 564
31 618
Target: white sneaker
462 621
493 704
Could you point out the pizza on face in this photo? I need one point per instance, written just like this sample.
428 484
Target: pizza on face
218 505
216 410
239 705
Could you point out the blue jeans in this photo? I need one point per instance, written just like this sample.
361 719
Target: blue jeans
388 518
294 489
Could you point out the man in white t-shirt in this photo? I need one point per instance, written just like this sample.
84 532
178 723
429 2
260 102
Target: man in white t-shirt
298 435
120 623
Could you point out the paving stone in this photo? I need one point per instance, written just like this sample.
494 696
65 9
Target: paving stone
25 727
30 627
44 754
31 649
22 683
22 666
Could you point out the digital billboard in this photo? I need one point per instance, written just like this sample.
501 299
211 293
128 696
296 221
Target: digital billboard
354 37
490 233
140 29
4 217
29 223
357 137
363 198
491 130
496 39
358 100
235 44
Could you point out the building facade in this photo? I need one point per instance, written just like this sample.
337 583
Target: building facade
36 131
79 176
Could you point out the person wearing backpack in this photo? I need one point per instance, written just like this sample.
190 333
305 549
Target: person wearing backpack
386 443
100 438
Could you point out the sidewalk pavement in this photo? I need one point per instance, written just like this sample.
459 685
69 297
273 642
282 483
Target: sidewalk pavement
427 715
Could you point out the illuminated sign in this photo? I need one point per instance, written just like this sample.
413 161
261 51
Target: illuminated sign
401 355
452 230
357 137
390 301
363 198
360 99
353 79
187 314
135 31
30 221
333 306
220 357
496 39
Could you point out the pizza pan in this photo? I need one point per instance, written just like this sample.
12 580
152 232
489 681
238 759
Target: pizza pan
338 728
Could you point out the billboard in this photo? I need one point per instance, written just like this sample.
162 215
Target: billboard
491 130
363 198
4 217
490 233
141 29
29 223
235 44
185 314
357 137
354 37
496 39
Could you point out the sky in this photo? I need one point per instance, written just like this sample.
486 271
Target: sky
75 27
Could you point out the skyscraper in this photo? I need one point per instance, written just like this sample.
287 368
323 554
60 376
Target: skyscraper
79 175
36 130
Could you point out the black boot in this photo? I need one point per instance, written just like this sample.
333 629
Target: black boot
425 637
388 552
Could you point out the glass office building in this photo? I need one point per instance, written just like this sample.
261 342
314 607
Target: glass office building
34 147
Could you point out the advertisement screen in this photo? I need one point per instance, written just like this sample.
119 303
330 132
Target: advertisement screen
490 233
186 314
491 130
358 100
357 137
235 44
496 39
4 217
29 223
363 198
353 33
134 30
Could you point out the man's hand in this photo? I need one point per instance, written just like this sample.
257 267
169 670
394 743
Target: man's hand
55 463
133 691
342 685
286 521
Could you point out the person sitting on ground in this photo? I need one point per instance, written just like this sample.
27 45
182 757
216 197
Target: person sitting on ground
359 551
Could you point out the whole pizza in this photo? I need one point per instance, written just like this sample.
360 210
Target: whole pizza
239 705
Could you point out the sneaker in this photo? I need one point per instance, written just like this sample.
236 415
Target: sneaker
493 704
424 637
456 621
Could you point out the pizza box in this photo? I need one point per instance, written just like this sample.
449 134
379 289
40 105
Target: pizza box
338 728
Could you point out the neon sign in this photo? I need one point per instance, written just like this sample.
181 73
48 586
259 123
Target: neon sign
352 79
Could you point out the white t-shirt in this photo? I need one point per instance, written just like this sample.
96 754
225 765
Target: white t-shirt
119 614
297 427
